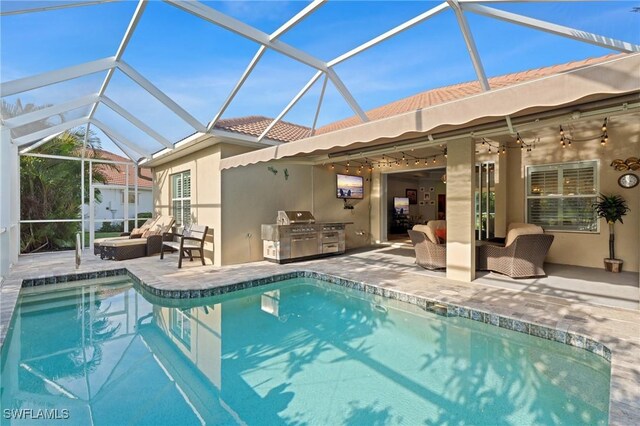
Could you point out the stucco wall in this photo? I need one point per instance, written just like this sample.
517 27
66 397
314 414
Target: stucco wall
205 193
585 249
328 208
252 195
112 198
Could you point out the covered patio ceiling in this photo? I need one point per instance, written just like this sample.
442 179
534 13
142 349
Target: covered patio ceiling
27 135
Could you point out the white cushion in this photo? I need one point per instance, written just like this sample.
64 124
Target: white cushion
517 229
430 229
101 241
122 243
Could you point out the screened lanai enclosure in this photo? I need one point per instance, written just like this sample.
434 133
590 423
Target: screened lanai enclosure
138 77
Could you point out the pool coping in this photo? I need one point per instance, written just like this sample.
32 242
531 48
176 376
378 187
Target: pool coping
624 406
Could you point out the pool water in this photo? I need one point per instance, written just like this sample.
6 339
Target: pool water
294 352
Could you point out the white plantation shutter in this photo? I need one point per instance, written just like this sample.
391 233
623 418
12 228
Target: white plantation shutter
181 197
560 197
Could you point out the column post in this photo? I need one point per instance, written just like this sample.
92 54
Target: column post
461 250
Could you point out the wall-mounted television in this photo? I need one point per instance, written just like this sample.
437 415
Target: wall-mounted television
401 205
349 186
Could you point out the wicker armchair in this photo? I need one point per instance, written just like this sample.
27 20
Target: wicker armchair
523 257
429 255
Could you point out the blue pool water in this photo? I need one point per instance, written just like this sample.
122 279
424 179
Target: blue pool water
295 352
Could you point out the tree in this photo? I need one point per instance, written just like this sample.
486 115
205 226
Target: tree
50 188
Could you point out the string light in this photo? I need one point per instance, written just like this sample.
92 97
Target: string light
504 149
518 139
604 126
333 166
434 160
445 153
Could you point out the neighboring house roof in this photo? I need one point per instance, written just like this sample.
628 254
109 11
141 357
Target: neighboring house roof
288 132
458 91
115 173
254 125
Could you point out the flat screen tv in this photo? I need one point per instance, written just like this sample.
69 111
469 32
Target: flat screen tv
349 186
401 205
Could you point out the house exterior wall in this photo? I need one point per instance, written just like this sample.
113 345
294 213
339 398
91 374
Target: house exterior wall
205 193
235 202
576 248
112 206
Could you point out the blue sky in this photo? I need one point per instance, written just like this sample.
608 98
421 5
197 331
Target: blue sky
197 63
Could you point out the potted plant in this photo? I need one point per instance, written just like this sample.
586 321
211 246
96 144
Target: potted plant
611 208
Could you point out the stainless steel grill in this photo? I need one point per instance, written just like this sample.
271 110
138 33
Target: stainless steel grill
296 236
291 217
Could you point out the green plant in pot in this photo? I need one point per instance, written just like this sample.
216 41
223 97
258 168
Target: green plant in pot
611 208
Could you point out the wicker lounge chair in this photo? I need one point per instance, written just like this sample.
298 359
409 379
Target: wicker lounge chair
131 248
158 226
522 256
430 253
191 239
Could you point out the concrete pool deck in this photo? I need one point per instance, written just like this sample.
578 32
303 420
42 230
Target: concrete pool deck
390 268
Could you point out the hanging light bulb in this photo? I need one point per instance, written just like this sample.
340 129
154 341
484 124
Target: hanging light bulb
434 160
403 156
569 143
561 132
603 141
521 147
606 137
482 141
504 149
333 166
347 164
604 126
518 139
562 140
425 161
346 170
445 153
563 144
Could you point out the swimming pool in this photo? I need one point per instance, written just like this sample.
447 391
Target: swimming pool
292 352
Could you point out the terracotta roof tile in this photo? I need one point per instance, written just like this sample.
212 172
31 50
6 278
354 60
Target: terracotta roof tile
254 125
284 131
115 173
458 91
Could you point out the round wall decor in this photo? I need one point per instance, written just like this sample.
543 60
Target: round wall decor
628 180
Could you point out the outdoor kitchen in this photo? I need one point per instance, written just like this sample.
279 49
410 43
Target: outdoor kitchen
297 236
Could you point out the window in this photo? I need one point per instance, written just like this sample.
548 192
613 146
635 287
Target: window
560 196
181 197
180 320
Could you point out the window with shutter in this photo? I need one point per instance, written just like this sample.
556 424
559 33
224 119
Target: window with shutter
181 197
560 196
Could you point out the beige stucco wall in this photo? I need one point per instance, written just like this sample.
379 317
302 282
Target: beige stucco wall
585 249
205 193
252 196
328 208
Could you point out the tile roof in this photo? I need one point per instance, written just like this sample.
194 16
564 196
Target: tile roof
457 91
254 125
115 173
